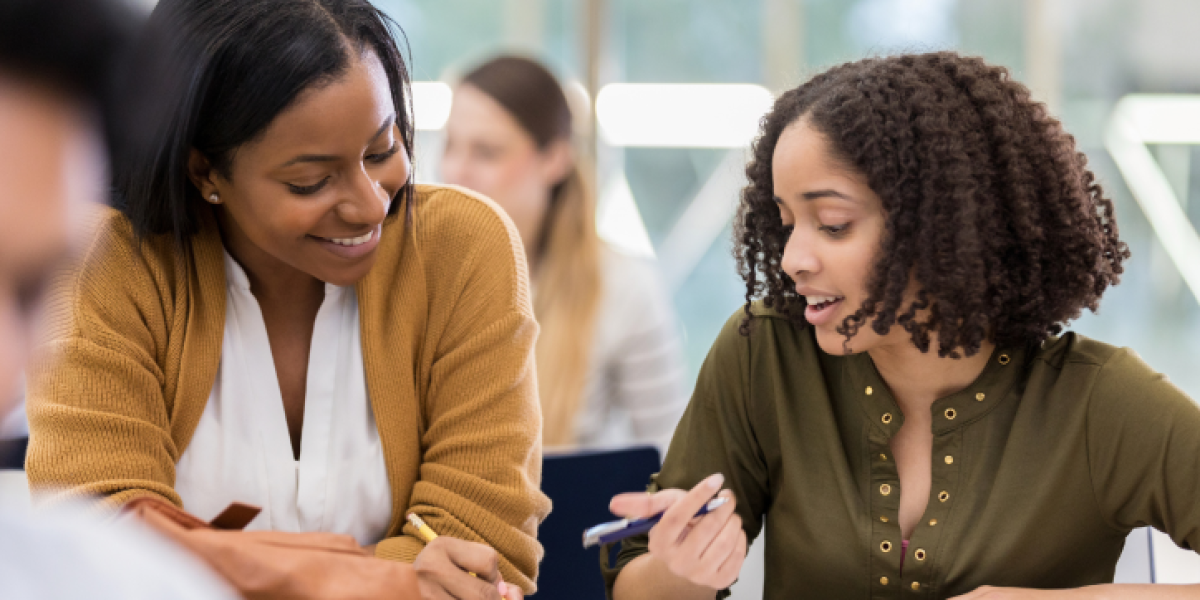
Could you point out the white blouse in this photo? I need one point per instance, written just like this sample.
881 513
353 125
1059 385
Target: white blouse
241 450
636 388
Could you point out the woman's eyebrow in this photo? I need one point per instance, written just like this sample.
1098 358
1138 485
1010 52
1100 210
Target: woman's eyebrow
827 193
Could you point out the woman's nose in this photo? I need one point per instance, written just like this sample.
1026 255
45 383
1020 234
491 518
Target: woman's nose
799 256
367 203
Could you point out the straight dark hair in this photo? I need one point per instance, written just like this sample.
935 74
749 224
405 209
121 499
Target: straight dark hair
218 73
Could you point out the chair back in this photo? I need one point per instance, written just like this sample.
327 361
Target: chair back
581 484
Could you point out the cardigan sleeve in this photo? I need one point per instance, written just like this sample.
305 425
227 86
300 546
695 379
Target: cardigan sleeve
1144 450
99 424
480 472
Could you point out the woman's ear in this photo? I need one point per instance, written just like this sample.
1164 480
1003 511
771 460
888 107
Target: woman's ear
557 161
202 175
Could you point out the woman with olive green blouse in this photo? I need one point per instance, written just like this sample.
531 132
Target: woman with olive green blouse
901 408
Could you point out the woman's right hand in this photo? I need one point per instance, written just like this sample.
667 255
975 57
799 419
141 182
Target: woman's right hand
707 550
444 571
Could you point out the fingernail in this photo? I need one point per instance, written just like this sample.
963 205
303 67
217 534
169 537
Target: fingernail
715 481
503 589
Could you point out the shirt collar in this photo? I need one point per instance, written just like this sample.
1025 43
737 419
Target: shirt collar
861 381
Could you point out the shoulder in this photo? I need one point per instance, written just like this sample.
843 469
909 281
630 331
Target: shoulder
111 271
452 215
631 284
765 339
1122 386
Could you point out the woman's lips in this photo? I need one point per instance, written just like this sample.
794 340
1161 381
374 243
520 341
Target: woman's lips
351 252
821 314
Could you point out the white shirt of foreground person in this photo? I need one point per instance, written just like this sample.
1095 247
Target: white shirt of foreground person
62 555
241 450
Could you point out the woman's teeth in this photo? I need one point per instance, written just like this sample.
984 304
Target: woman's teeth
819 300
362 239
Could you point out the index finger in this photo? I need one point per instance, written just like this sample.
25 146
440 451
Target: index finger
682 512
639 505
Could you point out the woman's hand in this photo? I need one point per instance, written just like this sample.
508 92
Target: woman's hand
445 566
707 550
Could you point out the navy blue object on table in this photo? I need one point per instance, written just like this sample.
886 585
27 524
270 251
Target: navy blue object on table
12 453
581 484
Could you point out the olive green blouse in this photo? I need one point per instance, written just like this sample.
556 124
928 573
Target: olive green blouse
1040 468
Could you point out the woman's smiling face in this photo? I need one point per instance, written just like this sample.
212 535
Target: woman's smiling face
836 224
312 191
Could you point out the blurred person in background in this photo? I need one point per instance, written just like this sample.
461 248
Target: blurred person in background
897 408
275 314
610 370
57 58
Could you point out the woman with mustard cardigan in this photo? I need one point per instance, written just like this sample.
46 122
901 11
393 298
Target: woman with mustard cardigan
276 315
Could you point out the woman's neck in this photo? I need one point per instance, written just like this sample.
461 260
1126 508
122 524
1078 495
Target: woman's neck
273 282
918 379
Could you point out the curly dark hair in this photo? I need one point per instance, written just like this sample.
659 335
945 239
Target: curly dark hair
988 203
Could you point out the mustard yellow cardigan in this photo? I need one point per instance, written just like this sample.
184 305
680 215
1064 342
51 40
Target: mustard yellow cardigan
134 342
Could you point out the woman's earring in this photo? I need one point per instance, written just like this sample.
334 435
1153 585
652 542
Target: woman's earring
214 198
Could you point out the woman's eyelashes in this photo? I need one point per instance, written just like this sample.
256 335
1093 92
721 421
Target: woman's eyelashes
308 190
378 158
835 230
383 156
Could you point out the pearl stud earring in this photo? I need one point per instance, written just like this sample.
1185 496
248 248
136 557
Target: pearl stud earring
214 198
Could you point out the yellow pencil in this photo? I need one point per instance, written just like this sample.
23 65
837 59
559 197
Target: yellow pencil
423 530
427 534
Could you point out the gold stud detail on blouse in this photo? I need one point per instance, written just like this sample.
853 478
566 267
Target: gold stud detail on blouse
949 459
883 580
870 390
1003 359
933 522
886 489
886 418
951 413
886 546
883 519
916 586
882 457
980 396
943 495
919 554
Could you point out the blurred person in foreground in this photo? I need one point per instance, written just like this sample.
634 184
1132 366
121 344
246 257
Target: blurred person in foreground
609 366
56 61
276 315
898 399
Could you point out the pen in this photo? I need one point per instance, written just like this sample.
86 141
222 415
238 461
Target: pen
426 532
607 533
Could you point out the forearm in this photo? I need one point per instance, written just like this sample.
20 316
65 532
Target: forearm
1131 591
645 578
1092 592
